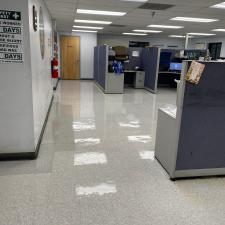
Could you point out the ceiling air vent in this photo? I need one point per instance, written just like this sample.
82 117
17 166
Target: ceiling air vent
116 25
155 6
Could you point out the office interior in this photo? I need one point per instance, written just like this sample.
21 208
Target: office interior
112 112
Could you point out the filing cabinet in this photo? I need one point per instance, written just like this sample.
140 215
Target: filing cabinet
139 81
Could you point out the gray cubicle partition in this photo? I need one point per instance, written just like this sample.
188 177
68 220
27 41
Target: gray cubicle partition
96 63
134 61
103 64
191 140
110 83
173 52
150 59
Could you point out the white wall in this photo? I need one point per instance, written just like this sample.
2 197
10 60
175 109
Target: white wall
25 89
40 68
16 113
123 40
194 41
87 43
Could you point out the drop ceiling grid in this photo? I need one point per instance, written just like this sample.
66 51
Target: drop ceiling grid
64 11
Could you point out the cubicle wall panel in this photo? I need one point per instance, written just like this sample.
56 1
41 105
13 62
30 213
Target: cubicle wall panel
102 65
202 133
151 67
96 64
135 58
173 52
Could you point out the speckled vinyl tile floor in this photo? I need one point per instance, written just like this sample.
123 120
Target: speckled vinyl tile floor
96 167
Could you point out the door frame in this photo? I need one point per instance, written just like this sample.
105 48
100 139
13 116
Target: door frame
60 51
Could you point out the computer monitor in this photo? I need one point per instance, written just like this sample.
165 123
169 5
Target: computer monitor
175 66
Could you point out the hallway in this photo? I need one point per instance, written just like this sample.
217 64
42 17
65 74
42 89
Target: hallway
96 166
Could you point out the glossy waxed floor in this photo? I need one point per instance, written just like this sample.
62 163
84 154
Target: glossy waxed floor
96 167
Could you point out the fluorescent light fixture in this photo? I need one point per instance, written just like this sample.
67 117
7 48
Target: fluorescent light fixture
134 0
201 34
219 6
148 31
138 34
87 27
165 26
179 36
98 12
93 21
219 30
196 20
86 31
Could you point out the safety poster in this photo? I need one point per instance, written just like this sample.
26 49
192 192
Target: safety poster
11 37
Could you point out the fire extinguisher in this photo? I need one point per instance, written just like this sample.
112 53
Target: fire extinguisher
55 68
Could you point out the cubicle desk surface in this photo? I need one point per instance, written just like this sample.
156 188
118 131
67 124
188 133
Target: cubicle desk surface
166 78
190 142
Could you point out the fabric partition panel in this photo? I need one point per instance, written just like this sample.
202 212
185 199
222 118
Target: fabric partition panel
96 64
172 51
134 61
203 113
102 65
150 59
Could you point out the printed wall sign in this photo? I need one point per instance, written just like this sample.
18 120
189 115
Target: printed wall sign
195 72
11 37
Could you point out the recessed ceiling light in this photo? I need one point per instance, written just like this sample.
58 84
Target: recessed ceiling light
179 36
99 12
165 26
219 6
87 27
138 34
201 34
134 0
93 21
148 31
219 30
86 31
192 19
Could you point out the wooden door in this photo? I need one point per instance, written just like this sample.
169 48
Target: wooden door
70 57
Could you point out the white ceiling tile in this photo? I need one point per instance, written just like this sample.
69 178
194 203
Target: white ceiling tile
64 12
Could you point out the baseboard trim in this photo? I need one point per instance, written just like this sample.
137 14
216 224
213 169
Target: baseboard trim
28 155
86 79
57 83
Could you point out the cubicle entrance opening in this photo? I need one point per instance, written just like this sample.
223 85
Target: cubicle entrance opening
70 57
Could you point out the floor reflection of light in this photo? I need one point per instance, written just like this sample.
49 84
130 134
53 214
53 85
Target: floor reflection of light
140 138
89 158
147 155
101 189
88 141
80 126
131 125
